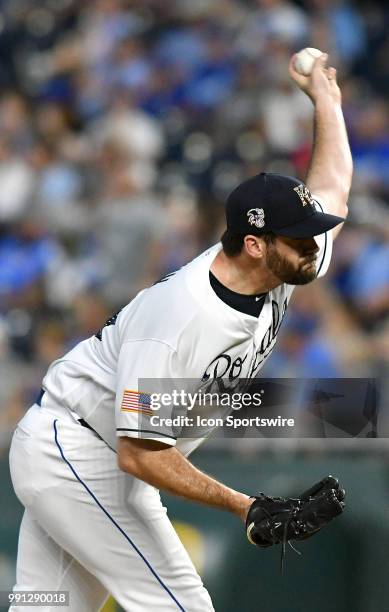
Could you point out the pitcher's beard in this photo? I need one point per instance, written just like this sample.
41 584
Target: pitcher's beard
286 272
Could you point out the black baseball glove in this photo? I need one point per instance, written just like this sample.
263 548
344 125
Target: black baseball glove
272 520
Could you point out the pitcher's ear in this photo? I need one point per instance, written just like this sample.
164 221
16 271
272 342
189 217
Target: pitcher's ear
254 246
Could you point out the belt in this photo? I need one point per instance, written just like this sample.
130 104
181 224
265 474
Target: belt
81 421
85 424
39 398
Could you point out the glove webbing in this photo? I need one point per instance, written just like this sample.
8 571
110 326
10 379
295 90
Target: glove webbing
285 541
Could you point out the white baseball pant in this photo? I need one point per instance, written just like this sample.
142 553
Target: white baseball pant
91 529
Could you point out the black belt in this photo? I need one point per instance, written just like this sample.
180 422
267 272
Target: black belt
39 398
81 421
85 424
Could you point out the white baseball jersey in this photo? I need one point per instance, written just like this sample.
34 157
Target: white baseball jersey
177 329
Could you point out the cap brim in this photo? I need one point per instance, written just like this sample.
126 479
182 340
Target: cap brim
314 225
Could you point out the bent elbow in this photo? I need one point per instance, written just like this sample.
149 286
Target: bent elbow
122 462
127 463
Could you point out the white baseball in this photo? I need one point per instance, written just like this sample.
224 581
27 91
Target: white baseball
305 59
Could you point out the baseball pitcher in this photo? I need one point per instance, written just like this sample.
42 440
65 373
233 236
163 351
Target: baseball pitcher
88 461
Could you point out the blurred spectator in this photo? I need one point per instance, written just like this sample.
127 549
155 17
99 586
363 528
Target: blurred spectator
25 256
17 181
137 134
273 20
338 27
130 230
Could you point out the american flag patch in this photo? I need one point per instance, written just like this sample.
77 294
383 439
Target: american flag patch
135 401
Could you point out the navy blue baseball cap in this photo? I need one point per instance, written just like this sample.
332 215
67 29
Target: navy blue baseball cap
279 204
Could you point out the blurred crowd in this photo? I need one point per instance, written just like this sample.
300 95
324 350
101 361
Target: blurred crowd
124 125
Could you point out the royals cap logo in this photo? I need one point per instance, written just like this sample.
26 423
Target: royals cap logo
304 194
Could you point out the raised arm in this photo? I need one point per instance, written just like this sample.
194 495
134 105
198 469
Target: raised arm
330 172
